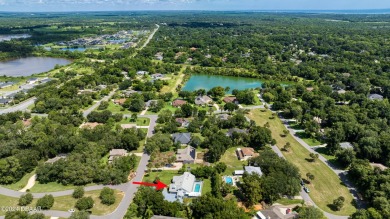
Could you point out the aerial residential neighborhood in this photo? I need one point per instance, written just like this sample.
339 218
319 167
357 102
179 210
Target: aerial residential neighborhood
194 109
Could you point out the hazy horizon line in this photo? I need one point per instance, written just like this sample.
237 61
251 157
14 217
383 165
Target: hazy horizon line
213 10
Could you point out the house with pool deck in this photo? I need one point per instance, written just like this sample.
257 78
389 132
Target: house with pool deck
183 186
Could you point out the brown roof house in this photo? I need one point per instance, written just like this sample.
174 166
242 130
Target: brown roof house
246 153
114 153
120 101
230 99
182 122
186 155
178 103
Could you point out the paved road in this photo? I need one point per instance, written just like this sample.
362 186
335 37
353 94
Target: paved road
305 196
341 173
150 37
20 107
128 188
94 106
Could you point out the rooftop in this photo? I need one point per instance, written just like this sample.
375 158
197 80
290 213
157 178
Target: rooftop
182 138
184 182
346 145
118 152
252 169
186 154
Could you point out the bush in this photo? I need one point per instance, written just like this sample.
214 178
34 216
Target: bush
46 202
78 192
25 199
107 196
84 203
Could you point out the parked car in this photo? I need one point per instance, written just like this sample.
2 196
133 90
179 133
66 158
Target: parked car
168 165
307 190
71 210
302 182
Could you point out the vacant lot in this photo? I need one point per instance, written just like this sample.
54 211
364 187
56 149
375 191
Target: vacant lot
326 186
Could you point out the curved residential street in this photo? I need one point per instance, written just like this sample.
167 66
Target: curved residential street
339 172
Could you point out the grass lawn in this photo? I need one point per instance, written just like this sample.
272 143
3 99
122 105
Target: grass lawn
206 186
331 158
51 187
164 175
21 183
286 201
326 186
114 108
232 162
6 201
64 203
306 138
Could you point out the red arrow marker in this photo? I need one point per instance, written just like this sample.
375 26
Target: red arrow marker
159 185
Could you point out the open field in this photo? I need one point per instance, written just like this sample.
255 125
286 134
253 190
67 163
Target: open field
51 187
326 186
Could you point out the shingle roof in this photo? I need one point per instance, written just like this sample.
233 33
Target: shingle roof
252 169
202 100
183 138
346 145
375 97
186 154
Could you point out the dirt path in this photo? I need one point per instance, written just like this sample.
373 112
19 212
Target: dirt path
30 183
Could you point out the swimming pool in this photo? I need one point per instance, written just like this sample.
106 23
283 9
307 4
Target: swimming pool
197 187
229 180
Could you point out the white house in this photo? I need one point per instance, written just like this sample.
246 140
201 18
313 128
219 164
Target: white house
185 186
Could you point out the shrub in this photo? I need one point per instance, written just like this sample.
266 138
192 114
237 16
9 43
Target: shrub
107 196
84 203
78 192
25 199
46 202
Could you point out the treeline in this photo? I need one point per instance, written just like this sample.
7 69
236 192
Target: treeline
25 144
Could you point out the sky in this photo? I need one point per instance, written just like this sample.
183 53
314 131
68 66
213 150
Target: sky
130 5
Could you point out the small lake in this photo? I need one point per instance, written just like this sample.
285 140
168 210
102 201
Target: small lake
14 36
30 65
198 81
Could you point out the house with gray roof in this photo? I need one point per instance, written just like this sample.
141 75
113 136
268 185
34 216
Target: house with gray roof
114 153
182 138
375 97
203 100
252 169
223 116
237 130
6 84
346 145
185 186
32 80
186 155
5 101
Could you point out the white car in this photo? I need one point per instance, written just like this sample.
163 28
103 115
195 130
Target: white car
71 210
